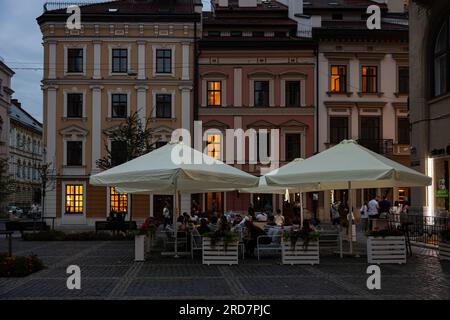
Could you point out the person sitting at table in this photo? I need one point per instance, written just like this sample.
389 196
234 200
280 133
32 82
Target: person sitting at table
253 232
187 217
287 222
203 228
279 219
222 224
261 217
213 224
237 219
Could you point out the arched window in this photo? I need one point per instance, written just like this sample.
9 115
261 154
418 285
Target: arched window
441 61
18 141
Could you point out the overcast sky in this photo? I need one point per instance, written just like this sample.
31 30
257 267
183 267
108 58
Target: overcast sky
21 49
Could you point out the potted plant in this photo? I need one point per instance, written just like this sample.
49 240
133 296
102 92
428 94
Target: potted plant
386 246
220 247
142 240
444 244
300 246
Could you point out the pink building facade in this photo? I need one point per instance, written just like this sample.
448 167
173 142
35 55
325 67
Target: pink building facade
255 73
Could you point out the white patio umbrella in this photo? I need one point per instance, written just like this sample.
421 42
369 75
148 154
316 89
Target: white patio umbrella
263 187
346 166
173 169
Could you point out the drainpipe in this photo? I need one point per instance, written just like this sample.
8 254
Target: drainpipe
196 72
317 99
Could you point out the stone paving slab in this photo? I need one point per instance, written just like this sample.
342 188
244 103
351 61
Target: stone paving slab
109 272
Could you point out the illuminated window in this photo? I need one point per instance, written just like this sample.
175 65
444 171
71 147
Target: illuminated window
74 199
214 146
214 93
369 79
118 201
338 79
261 93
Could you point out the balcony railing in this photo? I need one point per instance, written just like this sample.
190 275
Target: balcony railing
380 146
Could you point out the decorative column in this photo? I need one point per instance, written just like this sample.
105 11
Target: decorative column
96 127
141 60
186 107
142 103
52 60
185 49
97 59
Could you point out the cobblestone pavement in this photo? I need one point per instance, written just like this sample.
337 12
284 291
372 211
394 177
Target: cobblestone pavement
109 272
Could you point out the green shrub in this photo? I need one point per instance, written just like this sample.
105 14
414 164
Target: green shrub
82 236
19 266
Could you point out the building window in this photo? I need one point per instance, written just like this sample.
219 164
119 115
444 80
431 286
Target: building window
403 130
74 153
164 106
119 152
441 61
338 82
258 34
403 80
214 93
293 94
337 16
74 60
163 61
74 105
119 60
338 129
236 33
213 145
74 198
119 106
369 79
261 93
292 146
213 33
118 201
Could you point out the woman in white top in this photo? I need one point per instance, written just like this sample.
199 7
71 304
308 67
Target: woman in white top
279 219
364 217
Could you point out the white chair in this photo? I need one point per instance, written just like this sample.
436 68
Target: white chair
196 242
273 237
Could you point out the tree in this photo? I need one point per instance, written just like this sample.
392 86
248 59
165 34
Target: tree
136 138
7 185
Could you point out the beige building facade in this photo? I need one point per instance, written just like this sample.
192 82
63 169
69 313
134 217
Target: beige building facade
96 77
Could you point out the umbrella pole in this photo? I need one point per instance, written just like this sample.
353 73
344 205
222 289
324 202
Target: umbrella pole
175 218
301 209
350 218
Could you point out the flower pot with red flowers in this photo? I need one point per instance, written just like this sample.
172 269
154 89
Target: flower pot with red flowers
386 246
142 240
444 244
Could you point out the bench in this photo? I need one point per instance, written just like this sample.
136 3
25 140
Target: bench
113 226
23 226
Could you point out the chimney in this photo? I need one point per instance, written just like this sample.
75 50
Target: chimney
396 6
16 103
247 4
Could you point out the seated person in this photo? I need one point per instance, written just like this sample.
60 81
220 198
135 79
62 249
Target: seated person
223 225
262 217
253 232
308 227
187 217
203 228
279 219
237 219
213 224
272 221
181 225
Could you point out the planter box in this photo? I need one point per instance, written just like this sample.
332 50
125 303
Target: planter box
141 248
386 250
444 251
299 255
217 254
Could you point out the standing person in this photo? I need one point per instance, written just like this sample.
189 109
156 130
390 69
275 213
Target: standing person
343 215
166 215
251 210
385 207
334 213
364 217
372 210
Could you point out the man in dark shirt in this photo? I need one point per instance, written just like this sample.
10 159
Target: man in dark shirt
385 207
